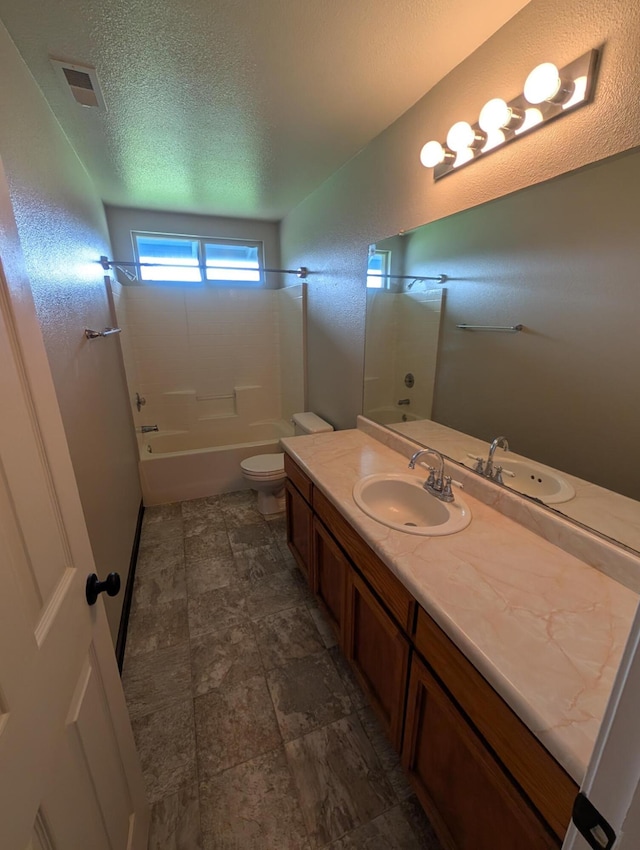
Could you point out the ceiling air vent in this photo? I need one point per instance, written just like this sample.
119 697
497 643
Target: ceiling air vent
81 82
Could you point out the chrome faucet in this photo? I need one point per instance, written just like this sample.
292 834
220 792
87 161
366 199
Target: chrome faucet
404 401
489 471
144 429
438 484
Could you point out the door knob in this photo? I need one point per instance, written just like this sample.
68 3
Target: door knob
94 587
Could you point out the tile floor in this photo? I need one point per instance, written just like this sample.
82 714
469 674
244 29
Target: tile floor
252 732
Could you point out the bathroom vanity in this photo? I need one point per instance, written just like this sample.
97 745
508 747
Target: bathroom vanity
488 655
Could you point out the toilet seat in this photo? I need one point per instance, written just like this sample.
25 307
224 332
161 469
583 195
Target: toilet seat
264 467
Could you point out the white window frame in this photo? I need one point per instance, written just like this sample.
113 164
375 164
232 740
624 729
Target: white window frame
201 267
385 274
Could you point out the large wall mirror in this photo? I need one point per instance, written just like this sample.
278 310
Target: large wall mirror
562 259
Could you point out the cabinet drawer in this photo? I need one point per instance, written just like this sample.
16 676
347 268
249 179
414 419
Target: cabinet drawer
299 478
395 595
550 789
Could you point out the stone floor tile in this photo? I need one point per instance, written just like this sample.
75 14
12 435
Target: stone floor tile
415 815
224 658
238 498
210 574
339 779
208 505
287 635
253 806
307 693
155 532
214 544
321 622
239 516
204 524
354 690
166 744
387 755
249 536
217 609
234 725
274 593
175 821
158 556
389 831
278 525
161 586
161 513
157 627
283 546
156 679
259 562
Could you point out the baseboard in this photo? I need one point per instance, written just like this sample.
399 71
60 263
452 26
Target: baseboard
128 592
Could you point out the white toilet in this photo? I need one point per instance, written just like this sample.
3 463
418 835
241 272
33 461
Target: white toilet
265 473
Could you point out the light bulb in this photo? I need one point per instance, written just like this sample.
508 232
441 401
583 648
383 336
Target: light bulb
579 92
496 114
532 117
432 154
462 136
463 156
494 139
544 84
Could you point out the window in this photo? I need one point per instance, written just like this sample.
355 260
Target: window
189 259
378 269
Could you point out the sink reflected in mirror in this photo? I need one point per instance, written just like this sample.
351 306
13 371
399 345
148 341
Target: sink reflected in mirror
528 478
400 502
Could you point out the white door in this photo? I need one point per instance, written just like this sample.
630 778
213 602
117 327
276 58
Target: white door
612 781
69 773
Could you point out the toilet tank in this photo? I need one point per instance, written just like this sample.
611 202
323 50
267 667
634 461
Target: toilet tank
309 423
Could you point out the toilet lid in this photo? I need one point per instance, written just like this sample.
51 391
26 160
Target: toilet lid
264 464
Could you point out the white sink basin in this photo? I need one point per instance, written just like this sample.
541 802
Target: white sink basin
531 479
401 502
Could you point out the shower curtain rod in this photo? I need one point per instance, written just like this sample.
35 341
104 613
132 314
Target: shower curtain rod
441 278
106 264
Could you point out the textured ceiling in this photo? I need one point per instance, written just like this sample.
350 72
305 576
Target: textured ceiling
239 107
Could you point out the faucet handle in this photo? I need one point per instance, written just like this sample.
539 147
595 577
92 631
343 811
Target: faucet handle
447 492
497 475
479 467
431 480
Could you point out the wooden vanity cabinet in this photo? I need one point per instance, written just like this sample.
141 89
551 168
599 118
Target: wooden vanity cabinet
484 779
379 655
470 800
299 517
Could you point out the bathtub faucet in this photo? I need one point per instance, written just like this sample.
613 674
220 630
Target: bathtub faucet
144 429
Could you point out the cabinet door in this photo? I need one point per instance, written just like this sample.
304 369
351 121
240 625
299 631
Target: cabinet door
379 655
470 800
299 528
330 572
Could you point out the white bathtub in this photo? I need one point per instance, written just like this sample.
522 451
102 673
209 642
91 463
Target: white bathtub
175 466
391 415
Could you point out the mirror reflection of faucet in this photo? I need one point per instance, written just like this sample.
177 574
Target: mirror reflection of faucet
487 468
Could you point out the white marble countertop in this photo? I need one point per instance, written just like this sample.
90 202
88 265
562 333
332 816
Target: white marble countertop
544 628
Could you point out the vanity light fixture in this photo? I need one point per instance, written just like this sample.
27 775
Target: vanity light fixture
549 92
